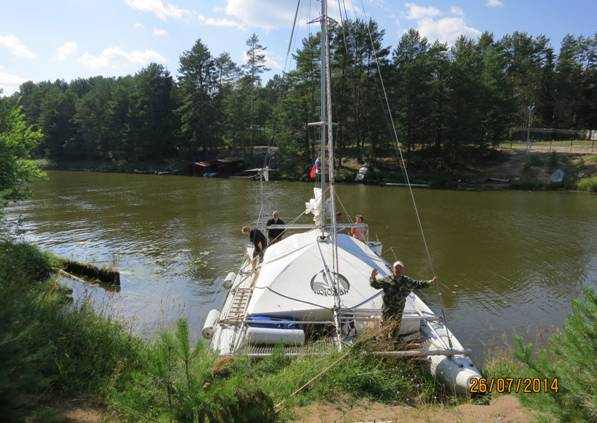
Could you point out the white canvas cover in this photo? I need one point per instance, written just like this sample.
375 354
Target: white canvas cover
291 281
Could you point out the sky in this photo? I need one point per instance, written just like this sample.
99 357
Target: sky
66 39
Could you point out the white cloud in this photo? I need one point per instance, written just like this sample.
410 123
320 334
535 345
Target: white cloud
16 47
161 9
273 14
222 22
436 25
116 57
266 14
457 10
158 32
416 12
447 29
138 25
271 62
65 50
9 83
494 3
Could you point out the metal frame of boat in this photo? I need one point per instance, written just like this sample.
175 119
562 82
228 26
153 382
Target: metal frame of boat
311 293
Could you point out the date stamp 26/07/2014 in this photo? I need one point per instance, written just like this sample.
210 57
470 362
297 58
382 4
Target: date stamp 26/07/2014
512 385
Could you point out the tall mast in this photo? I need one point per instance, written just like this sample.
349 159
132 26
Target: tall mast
326 128
323 112
327 135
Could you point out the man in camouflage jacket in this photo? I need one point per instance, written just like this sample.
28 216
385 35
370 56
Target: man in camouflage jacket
396 288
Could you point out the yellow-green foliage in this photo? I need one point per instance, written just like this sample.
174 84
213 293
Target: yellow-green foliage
17 141
588 184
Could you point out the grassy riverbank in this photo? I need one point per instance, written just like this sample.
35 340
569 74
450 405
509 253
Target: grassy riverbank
54 354
49 354
495 169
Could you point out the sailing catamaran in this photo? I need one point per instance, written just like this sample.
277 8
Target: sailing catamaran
311 292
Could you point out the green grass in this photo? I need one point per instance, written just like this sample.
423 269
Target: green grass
177 382
51 351
47 352
587 184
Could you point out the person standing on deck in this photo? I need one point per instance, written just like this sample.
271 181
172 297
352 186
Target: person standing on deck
396 288
274 235
258 240
359 233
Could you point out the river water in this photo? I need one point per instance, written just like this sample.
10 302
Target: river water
510 262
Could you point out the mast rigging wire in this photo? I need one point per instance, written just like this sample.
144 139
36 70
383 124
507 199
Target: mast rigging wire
391 117
298 4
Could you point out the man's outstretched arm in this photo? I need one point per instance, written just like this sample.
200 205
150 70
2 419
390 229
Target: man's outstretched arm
411 283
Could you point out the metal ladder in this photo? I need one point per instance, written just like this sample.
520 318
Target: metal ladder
238 308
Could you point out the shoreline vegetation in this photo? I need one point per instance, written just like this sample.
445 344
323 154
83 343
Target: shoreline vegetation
55 353
497 170
456 108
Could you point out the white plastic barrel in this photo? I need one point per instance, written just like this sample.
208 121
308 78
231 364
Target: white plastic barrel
273 336
210 323
229 280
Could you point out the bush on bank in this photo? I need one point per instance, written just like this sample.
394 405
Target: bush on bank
588 184
569 356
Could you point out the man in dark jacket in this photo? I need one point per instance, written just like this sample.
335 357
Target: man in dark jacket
396 288
258 240
274 235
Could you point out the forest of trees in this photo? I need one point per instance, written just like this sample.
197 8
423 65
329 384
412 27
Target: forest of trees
443 99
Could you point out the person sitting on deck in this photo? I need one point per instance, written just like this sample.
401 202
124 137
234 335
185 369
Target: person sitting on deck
359 233
274 235
396 288
258 240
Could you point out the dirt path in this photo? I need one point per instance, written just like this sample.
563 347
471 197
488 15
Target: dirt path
503 409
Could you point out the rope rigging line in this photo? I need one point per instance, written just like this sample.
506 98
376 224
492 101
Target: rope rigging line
395 131
298 5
